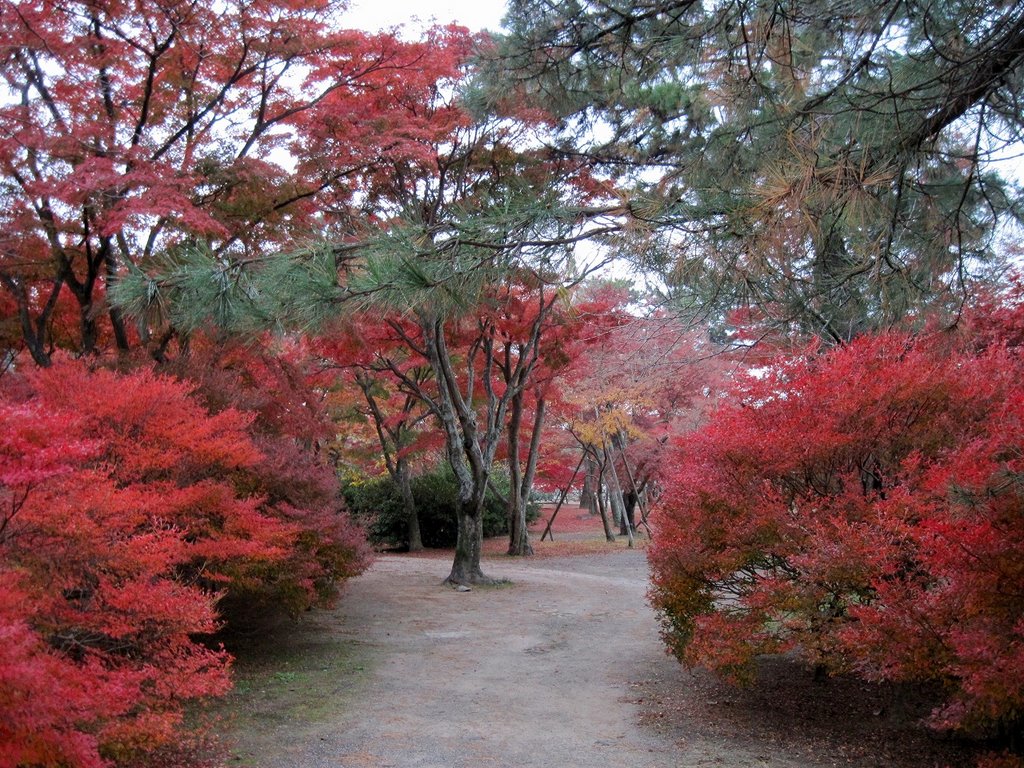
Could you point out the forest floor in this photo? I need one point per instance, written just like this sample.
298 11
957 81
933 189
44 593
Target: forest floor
560 668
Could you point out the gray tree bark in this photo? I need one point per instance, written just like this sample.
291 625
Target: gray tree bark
615 496
412 518
522 480
609 532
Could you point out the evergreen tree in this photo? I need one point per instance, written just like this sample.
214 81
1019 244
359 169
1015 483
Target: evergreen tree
824 162
469 207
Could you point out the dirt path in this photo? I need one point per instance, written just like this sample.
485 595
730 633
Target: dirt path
561 668
534 673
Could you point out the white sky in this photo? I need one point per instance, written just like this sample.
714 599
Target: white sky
380 14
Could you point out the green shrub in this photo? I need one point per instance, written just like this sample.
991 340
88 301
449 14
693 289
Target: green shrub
377 503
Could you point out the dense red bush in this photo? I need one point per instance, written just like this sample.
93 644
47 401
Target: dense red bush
295 480
865 509
127 510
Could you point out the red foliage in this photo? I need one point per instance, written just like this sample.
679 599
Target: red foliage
136 126
863 508
368 368
118 517
637 381
45 698
127 511
293 479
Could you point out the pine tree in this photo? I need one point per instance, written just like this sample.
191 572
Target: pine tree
825 163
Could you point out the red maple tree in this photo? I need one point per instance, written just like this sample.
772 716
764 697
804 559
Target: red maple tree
861 507
277 386
128 514
139 126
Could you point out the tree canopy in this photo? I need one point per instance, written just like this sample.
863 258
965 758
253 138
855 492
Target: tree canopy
828 164
138 128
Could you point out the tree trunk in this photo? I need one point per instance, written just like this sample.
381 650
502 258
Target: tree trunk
120 332
588 496
609 534
469 463
519 537
116 318
468 545
516 526
615 496
88 329
612 493
34 334
522 482
630 500
412 517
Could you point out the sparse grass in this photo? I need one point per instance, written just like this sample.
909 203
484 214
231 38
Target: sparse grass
292 678
295 677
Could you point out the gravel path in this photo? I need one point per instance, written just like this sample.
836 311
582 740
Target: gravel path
561 668
534 673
